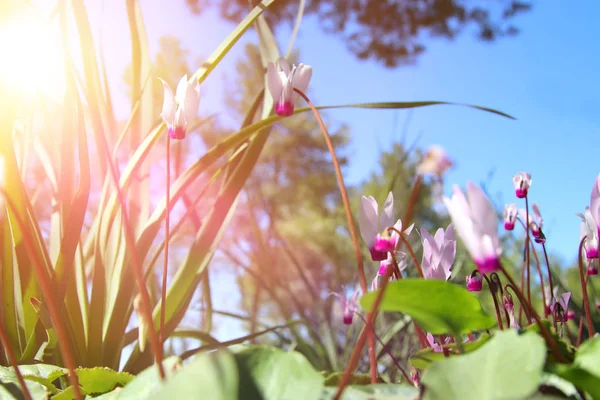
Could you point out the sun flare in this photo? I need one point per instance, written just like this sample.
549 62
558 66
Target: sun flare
31 57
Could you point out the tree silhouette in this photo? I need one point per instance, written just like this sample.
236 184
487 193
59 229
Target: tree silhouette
390 31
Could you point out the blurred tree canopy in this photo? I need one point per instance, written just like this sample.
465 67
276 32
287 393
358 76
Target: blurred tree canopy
390 31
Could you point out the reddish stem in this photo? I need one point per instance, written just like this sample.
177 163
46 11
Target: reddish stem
543 329
13 362
586 303
163 291
351 227
496 306
527 252
46 286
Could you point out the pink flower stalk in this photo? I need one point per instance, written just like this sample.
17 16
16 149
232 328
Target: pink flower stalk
476 222
474 283
349 306
373 227
436 162
510 216
589 230
282 79
434 345
181 108
438 253
559 308
522 182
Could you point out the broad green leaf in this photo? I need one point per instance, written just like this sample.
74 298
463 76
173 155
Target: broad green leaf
438 306
11 389
145 383
425 357
215 376
584 372
509 366
357 379
374 392
281 374
100 380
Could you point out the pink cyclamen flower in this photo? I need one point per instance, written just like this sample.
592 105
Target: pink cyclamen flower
436 162
389 261
181 108
536 222
373 227
439 252
434 345
476 223
589 230
474 283
571 315
509 306
560 308
595 203
510 216
598 305
349 306
522 182
592 268
282 79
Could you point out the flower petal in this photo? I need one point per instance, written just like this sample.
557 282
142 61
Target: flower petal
284 66
482 211
387 214
169 106
191 101
181 90
274 82
302 77
368 220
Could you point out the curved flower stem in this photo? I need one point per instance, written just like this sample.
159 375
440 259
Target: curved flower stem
46 286
543 329
528 240
442 339
351 228
410 251
14 364
163 289
493 293
539 269
548 267
522 303
389 353
496 280
362 338
586 303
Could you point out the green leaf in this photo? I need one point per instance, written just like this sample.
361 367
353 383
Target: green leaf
423 358
11 389
438 306
145 384
357 379
584 372
281 374
215 376
374 392
508 367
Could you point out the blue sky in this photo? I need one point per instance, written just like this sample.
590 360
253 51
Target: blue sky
546 77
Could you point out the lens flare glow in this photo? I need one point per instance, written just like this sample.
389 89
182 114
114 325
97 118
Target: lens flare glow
32 58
